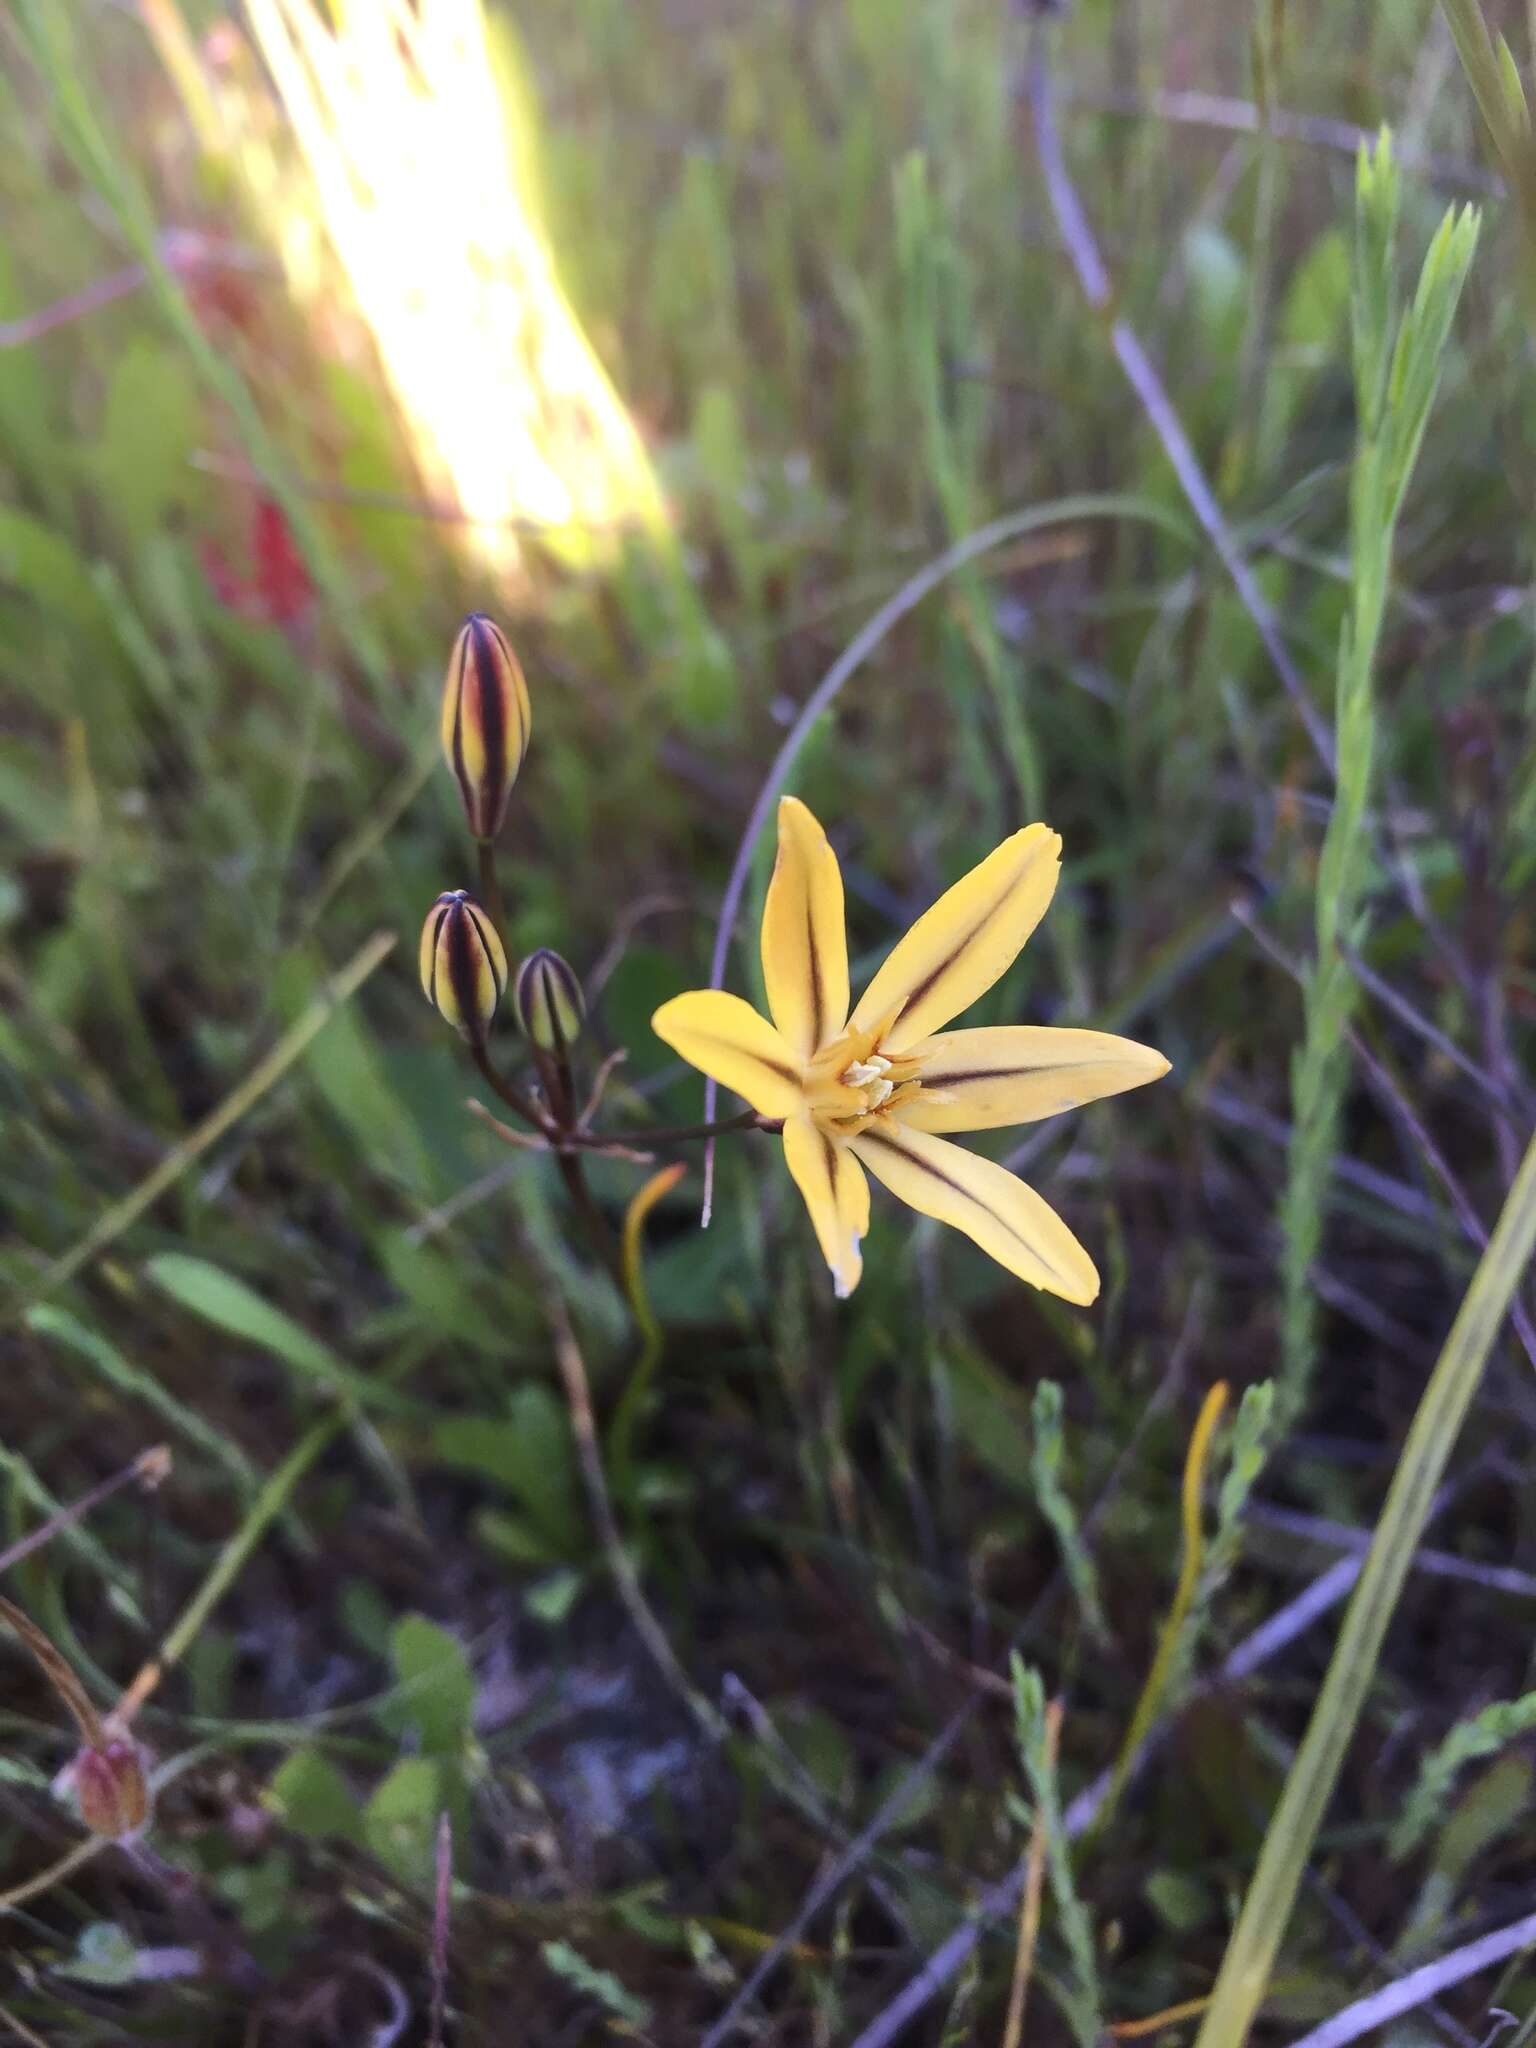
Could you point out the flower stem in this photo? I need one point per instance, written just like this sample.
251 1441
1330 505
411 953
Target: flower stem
678 1134
567 1143
490 887
514 1098
604 1243
573 1373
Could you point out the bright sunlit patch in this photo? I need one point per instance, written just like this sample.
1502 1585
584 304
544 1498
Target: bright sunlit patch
403 131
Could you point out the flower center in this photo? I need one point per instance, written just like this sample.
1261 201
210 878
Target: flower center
851 1082
868 1076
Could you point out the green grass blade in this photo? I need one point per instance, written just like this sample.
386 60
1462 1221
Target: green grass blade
1249 1959
265 1075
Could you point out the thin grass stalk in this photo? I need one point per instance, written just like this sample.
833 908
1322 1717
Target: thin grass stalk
1250 1955
232 1559
25 1484
1141 374
589 1456
442 1904
1397 362
1494 76
930 264
263 1077
1406 1994
60 1327
150 1468
1078 1993
19 2027
1029 1901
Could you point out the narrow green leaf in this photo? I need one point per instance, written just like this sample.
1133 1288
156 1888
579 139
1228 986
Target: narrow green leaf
438 1686
229 1304
1250 1954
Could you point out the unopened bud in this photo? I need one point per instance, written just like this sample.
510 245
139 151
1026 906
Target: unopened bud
110 1789
463 963
548 1001
486 722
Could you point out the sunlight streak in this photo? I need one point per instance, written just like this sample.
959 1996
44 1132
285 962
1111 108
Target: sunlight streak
417 183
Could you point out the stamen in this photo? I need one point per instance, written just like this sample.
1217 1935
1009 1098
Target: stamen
861 1072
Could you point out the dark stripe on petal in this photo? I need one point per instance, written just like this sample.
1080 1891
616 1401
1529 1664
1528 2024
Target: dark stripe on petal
916 995
873 1137
829 1154
549 997
460 773
487 938
437 951
464 943
742 1052
947 1077
513 671
490 705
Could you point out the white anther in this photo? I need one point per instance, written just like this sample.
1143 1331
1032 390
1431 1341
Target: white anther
862 1072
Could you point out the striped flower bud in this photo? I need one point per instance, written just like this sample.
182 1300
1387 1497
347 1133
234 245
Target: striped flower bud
486 722
110 1788
463 963
548 1001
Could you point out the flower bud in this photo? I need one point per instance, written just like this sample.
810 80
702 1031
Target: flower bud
548 1001
463 963
486 722
110 1789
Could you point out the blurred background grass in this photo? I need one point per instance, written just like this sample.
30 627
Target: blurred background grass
811 251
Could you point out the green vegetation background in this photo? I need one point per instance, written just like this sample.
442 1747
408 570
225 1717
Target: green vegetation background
814 251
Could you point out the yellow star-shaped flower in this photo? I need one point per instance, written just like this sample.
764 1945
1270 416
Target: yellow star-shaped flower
879 1088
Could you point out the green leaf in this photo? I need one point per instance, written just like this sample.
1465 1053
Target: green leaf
150 426
599 1984
29 430
51 571
437 1684
553 1598
366 1614
1046 1462
989 1418
1512 91
923 1796
529 1453
312 1797
120 1372
1181 1901
1495 84
435 1286
400 1823
1317 299
221 1299
1377 190
513 1537
1485 1734
1494 1804
346 1066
